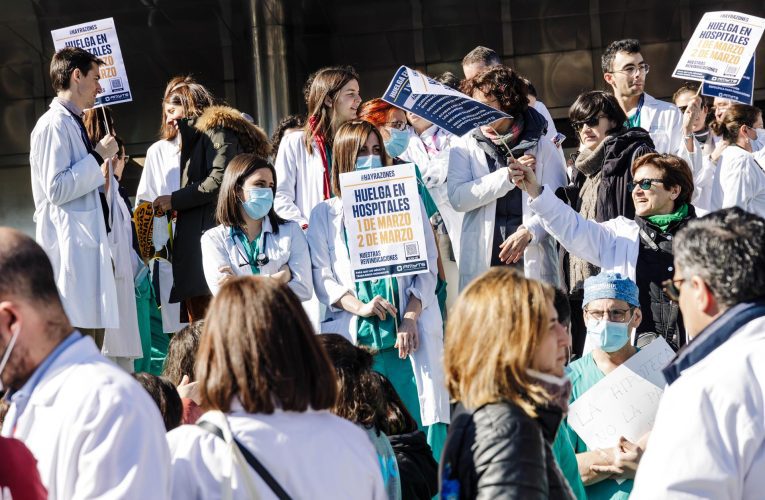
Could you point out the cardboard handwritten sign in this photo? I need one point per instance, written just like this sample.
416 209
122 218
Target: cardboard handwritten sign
100 39
439 104
721 47
625 402
383 222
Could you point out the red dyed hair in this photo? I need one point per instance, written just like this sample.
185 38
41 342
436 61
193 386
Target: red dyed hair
376 111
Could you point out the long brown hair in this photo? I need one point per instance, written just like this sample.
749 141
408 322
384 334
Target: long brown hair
491 336
228 211
348 140
258 346
326 82
191 96
96 128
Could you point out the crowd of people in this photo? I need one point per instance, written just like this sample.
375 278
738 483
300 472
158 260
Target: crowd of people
207 338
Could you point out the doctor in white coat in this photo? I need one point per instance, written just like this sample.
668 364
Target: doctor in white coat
161 176
478 178
418 332
251 238
625 71
94 431
67 176
304 158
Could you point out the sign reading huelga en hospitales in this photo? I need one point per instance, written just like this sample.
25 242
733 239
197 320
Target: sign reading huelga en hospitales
100 39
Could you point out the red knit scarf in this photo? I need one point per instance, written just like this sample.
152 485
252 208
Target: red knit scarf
320 140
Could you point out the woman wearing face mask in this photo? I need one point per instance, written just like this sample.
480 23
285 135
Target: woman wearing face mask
398 317
740 180
391 122
639 248
304 160
612 312
497 229
251 239
505 353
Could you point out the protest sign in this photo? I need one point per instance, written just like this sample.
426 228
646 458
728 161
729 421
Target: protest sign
437 103
625 402
383 222
743 92
100 39
721 47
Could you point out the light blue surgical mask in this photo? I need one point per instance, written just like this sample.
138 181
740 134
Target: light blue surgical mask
611 335
259 202
759 143
365 162
397 143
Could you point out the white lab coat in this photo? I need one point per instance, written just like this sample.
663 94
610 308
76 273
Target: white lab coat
333 278
612 245
299 179
311 454
704 172
740 182
542 109
664 123
162 176
95 432
474 190
709 437
123 342
434 166
289 247
69 219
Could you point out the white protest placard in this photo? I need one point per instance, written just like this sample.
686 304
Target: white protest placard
439 104
100 39
383 222
625 402
721 47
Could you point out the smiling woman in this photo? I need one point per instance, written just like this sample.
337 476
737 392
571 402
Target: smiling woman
641 248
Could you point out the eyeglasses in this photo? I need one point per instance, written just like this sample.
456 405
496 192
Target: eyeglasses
590 122
671 289
634 70
644 184
397 125
617 315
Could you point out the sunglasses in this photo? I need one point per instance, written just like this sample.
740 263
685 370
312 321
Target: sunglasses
591 122
644 184
672 288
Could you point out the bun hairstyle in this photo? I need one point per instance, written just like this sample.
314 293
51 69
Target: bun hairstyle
734 118
360 398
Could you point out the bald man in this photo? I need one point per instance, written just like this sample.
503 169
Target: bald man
93 430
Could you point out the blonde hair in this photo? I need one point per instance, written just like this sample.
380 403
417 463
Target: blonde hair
348 140
491 337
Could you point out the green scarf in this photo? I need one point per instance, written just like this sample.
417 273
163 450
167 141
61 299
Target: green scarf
663 221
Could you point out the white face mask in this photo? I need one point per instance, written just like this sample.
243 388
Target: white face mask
159 233
759 143
7 355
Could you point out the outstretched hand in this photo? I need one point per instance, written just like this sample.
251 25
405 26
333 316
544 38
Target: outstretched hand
523 176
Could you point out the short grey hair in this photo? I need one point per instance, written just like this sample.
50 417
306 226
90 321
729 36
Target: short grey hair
482 55
727 250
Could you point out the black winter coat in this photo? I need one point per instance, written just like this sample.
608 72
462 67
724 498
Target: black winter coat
498 451
613 197
416 466
208 144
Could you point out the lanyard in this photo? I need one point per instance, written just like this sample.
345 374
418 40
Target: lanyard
635 120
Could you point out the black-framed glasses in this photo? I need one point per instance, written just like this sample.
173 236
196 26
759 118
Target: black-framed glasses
644 184
397 125
616 315
591 122
634 70
671 288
